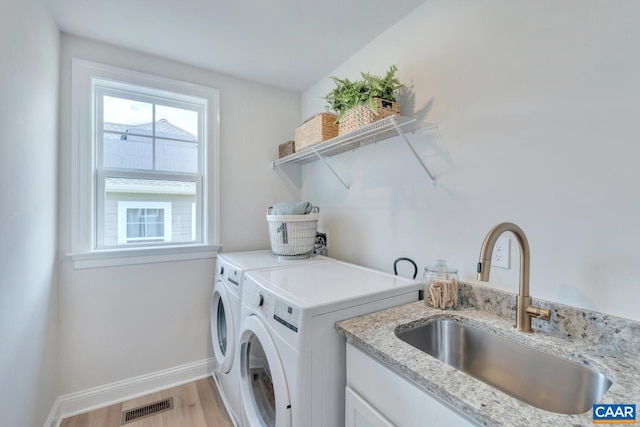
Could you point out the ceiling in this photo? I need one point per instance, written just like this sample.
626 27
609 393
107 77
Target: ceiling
290 44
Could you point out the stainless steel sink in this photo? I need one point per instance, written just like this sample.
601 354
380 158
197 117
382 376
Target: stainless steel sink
534 377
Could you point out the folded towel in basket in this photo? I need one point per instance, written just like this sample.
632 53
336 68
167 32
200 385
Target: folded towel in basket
291 208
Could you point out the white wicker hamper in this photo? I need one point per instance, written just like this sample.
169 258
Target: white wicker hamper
293 235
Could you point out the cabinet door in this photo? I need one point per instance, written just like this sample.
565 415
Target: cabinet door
395 397
359 413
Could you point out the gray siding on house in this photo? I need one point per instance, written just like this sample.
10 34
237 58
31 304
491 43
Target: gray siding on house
181 215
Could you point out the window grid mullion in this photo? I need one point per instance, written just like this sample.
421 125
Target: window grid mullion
149 174
166 138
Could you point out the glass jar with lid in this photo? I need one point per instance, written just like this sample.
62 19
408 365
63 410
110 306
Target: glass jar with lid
441 285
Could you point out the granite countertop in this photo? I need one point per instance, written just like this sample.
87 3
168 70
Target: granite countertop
608 344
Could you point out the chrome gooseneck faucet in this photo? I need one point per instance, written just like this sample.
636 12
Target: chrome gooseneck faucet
524 310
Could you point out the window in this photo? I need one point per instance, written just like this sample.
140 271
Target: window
144 222
152 149
148 151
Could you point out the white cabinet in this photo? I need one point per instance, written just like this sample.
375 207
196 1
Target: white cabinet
359 413
378 396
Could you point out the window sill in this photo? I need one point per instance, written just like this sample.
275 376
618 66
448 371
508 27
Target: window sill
117 257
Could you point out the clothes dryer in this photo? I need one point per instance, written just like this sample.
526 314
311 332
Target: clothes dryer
292 359
225 316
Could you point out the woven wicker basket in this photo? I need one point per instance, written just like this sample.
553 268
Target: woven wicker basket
286 148
293 235
362 115
316 129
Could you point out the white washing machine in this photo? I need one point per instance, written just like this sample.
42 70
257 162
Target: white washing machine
225 316
292 359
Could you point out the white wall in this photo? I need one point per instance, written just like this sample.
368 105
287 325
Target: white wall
120 322
537 106
29 48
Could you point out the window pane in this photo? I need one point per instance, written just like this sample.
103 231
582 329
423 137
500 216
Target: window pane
154 222
186 122
148 210
133 224
176 156
126 111
127 151
129 142
145 223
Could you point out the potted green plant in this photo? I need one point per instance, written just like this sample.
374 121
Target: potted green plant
363 101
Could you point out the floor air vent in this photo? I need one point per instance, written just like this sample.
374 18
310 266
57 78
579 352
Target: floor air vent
147 410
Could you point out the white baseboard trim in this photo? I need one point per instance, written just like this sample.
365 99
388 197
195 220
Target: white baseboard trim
53 420
99 397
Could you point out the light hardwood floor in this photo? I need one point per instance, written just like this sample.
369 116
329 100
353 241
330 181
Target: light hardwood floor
195 404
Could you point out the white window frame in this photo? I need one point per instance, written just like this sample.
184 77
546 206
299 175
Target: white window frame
85 249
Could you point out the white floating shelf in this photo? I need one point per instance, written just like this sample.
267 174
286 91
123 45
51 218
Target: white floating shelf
360 137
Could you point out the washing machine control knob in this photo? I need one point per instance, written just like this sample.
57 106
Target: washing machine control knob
258 299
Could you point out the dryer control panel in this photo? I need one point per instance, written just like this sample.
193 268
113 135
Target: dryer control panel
288 315
233 279
269 306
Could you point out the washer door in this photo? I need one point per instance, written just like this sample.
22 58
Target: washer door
263 385
222 329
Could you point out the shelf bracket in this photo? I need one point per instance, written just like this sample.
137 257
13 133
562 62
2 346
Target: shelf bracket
404 137
324 161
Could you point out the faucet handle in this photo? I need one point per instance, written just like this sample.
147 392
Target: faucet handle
538 312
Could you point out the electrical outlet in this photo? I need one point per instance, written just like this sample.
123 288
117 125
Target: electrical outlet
501 256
